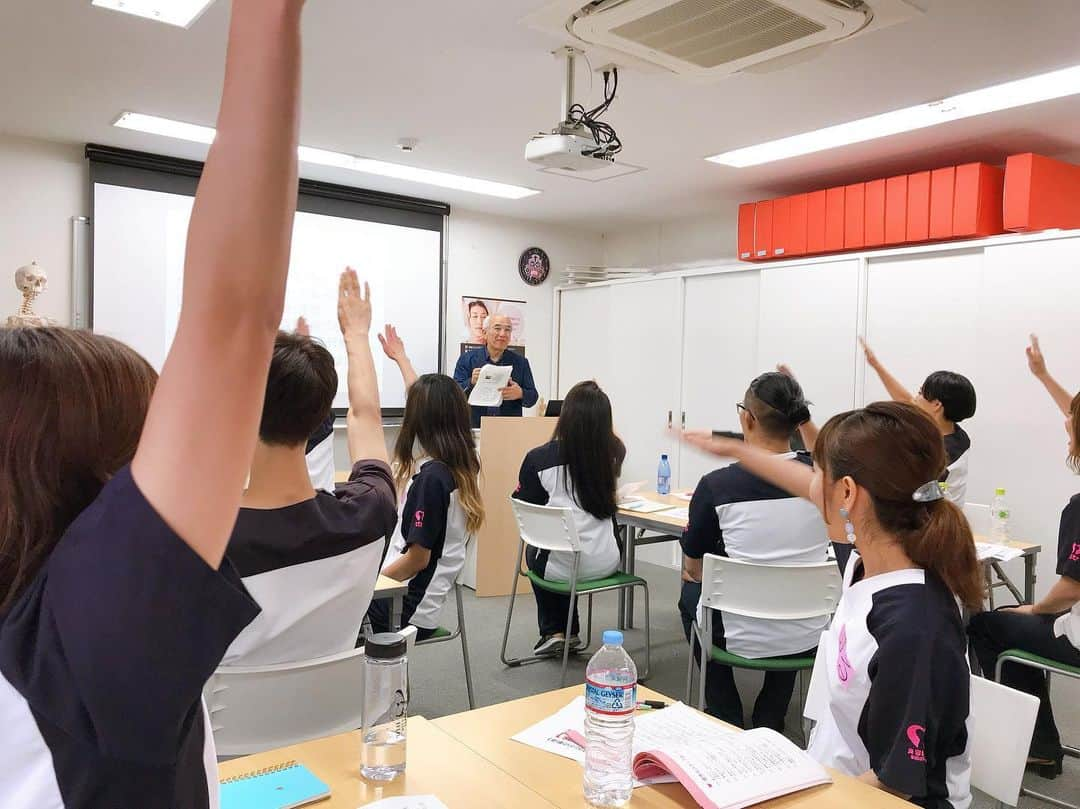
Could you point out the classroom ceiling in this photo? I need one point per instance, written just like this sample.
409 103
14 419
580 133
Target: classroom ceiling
472 83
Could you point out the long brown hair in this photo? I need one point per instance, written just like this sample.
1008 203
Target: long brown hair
437 417
593 454
891 450
72 406
1074 445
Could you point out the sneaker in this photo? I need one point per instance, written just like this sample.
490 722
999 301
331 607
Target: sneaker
575 643
548 646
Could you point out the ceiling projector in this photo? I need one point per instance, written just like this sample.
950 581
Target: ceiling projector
569 151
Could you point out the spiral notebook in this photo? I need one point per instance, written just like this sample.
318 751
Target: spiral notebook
284 786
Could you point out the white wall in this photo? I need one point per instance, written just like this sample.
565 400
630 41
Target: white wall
697 241
45 186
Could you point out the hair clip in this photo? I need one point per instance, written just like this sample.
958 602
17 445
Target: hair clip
928 493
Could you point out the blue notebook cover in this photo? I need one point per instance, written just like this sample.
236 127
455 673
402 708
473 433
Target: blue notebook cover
284 786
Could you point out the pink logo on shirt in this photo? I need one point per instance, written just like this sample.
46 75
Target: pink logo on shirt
418 519
915 735
1075 555
843 665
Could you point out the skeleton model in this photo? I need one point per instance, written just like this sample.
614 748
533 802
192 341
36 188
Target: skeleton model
31 280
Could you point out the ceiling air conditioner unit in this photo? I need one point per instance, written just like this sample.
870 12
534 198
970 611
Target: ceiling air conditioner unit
710 39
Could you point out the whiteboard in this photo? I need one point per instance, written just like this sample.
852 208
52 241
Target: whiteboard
139 245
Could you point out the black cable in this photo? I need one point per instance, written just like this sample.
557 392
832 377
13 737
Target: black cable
607 140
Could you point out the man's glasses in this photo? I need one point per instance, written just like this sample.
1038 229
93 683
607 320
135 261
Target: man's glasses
741 408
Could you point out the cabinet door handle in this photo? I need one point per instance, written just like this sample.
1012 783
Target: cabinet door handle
669 419
684 419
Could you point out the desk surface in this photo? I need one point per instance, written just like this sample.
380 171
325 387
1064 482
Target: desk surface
386 587
488 730
437 765
656 520
1029 548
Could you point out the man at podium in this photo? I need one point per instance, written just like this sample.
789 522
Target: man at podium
521 392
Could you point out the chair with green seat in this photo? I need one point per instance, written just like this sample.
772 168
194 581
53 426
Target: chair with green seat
442 635
552 528
1019 657
769 592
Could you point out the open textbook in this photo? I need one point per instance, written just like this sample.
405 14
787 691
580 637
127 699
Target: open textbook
720 767
489 386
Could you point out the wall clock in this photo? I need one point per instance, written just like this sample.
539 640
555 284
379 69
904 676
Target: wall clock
534 266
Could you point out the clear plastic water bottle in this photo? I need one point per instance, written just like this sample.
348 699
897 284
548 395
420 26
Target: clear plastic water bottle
999 517
610 702
386 703
663 476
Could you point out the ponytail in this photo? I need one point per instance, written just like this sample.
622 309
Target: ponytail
945 546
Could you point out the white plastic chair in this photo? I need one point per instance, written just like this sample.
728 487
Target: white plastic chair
1002 720
552 528
769 592
256 708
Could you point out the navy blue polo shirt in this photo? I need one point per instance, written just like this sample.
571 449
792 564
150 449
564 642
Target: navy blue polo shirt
521 373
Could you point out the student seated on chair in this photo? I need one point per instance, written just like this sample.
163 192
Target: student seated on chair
947 398
1049 628
577 469
118 490
436 464
734 513
890 691
311 558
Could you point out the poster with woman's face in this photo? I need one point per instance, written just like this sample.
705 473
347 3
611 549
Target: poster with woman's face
476 310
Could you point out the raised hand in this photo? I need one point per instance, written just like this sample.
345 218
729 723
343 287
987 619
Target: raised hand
302 327
354 306
713 444
1035 358
871 357
392 345
785 370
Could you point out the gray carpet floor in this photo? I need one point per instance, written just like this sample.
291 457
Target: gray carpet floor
438 684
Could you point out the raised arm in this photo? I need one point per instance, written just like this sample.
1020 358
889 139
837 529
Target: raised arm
791 477
1037 365
200 431
366 439
892 385
808 431
394 348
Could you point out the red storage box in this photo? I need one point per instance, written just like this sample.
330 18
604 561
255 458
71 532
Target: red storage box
918 207
815 222
874 226
746 230
797 226
942 185
854 216
834 219
781 231
1041 193
763 226
977 200
896 210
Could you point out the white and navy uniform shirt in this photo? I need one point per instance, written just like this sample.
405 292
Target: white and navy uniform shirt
103 658
957 445
432 518
319 456
1068 564
736 514
544 480
312 567
891 684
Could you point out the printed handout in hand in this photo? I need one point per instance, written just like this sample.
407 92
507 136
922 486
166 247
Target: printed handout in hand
488 389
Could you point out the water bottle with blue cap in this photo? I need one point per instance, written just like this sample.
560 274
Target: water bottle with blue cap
610 701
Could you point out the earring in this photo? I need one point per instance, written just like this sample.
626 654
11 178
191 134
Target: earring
848 526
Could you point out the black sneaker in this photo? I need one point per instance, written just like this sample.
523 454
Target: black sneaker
548 646
576 644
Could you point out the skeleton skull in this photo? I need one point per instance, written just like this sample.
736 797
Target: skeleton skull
31 279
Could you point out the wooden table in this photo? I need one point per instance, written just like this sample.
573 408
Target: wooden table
436 765
488 730
634 525
394 590
992 566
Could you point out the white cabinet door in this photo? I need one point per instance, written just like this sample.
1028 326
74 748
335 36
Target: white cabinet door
645 333
809 320
584 336
922 315
719 356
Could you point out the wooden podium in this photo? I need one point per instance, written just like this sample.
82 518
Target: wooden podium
504 442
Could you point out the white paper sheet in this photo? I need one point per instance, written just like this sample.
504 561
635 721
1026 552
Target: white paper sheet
643 506
999 553
628 491
408 802
681 513
488 389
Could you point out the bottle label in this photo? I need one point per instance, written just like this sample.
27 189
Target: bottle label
610 700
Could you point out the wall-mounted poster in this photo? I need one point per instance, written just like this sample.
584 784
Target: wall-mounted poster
476 309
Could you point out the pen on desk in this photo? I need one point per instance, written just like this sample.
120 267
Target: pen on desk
651 705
